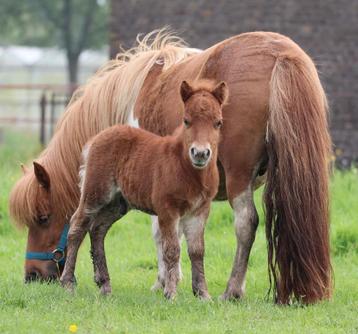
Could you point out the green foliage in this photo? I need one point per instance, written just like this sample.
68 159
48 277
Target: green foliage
13 151
39 22
42 308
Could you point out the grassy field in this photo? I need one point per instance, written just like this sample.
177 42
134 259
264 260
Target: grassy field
132 308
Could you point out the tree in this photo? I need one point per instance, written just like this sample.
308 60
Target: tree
74 25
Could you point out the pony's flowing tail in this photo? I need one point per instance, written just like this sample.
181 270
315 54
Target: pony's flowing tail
296 193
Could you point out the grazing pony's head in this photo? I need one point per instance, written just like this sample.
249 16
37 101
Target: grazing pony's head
33 204
202 119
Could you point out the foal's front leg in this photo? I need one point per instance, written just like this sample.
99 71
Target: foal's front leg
194 233
160 281
171 253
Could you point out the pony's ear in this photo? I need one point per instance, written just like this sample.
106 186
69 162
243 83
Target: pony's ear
41 175
24 169
221 92
186 91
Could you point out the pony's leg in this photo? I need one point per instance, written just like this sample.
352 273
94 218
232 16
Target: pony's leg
78 229
194 233
160 282
246 221
103 221
171 254
97 235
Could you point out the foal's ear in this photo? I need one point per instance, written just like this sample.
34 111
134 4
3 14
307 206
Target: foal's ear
186 91
221 92
41 175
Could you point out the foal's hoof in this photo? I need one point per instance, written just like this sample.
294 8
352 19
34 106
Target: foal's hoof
231 295
201 294
106 289
158 285
169 294
204 296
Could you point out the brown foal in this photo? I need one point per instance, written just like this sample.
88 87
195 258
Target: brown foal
174 177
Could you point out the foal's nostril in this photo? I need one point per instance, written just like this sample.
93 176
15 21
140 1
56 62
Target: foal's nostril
207 154
202 155
193 151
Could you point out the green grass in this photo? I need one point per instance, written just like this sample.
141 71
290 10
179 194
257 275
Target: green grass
132 308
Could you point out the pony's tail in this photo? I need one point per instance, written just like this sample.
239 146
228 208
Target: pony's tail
296 193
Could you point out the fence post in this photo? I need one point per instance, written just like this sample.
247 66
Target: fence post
43 103
52 113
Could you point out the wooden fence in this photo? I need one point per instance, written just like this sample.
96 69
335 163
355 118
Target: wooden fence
50 98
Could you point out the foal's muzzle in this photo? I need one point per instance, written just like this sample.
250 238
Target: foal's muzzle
200 156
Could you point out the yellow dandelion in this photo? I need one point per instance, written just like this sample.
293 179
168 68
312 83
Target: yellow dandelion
73 328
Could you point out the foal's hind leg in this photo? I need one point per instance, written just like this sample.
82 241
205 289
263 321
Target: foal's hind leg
78 229
103 221
97 235
246 221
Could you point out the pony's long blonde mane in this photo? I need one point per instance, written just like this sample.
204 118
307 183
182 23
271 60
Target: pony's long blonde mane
106 99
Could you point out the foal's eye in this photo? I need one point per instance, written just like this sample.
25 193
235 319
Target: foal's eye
186 123
43 220
218 124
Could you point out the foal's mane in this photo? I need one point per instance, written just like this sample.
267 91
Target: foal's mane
106 99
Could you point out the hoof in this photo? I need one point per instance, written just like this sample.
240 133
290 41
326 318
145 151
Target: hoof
106 289
204 296
68 285
158 285
169 294
231 295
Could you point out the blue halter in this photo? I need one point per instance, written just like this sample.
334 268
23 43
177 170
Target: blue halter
57 255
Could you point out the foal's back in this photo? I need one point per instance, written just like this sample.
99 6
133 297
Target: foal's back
127 160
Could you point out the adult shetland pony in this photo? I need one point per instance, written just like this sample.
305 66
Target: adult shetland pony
275 123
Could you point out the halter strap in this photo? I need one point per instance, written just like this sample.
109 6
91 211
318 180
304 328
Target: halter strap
57 255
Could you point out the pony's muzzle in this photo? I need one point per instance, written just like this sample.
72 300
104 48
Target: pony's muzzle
200 156
42 271
35 276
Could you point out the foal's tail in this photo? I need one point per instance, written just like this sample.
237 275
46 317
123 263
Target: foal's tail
296 192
